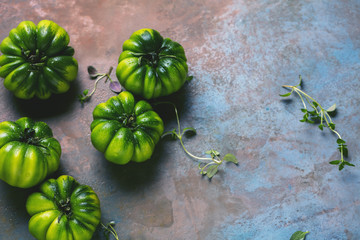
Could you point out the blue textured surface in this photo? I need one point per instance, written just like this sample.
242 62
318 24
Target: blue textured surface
240 53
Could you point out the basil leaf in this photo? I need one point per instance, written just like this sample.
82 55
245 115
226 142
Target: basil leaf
93 73
211 171
299 235
230 158
115 87
92 70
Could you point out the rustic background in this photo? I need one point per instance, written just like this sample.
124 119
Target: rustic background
240 53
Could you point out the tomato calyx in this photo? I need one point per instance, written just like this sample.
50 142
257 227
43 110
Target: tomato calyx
36 59
28 136
128 120
64 206
151 58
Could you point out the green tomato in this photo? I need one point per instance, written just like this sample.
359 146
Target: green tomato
151 66
124 130
37 60
63 210
28 152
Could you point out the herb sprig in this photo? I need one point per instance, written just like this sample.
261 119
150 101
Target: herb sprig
317 114
109 229
93 73
207 165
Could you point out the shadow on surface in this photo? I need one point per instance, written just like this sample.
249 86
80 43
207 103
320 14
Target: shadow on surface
134 176
166 111
14 205
57 103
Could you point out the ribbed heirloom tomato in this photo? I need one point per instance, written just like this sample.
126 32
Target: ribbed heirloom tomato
37 60
28 152
151 66
63 210
124 130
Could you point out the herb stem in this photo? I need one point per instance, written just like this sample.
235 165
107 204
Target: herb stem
110 229
302 100
85 96
95 86
180 135
192 155
108 75
208 166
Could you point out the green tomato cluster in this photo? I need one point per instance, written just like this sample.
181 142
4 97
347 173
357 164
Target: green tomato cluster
37 61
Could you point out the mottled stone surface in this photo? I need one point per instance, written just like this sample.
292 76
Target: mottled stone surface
240 53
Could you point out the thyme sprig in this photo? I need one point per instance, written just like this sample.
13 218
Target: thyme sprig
317 114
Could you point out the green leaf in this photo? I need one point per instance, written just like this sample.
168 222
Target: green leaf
321 127
189 78
316 118
349 164
230 158
340 141
341 166
332 126
299 235
211 171
286 94
300 81
315 104
190 130
309 121
313 113
213 153
304 110
85 92
335 162
332 108
345 151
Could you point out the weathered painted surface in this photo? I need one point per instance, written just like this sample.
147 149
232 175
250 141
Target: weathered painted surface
240 53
